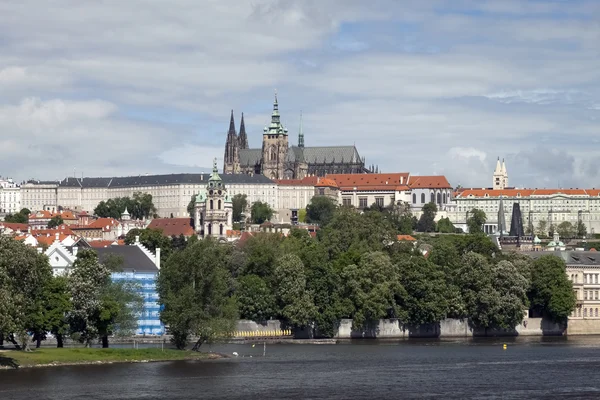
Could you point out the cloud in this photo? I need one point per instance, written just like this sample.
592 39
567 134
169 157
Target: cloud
435 86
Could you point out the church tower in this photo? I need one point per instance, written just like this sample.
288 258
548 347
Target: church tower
500 179
301 134
213 211
231 161
275 146
242 138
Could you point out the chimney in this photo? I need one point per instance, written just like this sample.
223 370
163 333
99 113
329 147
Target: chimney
75 251
39 250
137 239
157 258
57 237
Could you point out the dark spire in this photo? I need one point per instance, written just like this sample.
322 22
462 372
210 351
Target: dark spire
243 139
301 133
231 146
231 125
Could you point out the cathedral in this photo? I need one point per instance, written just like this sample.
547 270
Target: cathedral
278 160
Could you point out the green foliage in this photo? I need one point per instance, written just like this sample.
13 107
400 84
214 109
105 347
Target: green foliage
24 274
22 217
55 222
239 203
566 230
476 220
193 287
551 293
255 299
320 210
140 206
427 221
261 212
302 215
261 253
57 299
542 228
581 229
445 226
153 239
295 303
191 206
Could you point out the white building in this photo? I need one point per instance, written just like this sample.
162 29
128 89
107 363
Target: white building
213 209
171 194
10 197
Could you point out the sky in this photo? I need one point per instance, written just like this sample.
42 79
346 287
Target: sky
131 87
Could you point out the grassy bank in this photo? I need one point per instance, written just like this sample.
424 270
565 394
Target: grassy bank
72 356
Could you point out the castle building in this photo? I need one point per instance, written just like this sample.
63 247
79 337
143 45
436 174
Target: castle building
276 159
500 179
213 210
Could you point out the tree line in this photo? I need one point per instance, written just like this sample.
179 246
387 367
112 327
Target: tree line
140 206
86 306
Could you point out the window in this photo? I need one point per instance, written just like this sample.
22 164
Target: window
219 205
221 229
321 191
414 198
432 198
346 201
444 197
362 202
211 204
595 312
439 198
422 198
379 201
585 294
585 312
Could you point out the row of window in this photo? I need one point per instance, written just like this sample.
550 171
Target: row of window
591 312
441 198
590 295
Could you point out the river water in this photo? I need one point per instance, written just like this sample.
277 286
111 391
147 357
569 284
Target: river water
537 368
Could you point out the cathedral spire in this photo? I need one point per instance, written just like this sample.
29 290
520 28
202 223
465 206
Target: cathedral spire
276 128
231 125
301 133
243 138
231 158
498 167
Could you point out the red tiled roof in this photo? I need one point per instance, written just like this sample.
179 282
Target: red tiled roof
429 182
326 182
14 226
525 192
43 214
393 181
307 181
173 226
107 224
102 243
49 239
64 229
232 234
406 237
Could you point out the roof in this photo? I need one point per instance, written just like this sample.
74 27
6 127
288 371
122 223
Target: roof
173 226
406 237
307 181
43 214
250 157
160 180
49 239
310 155
102 243
107 224
134 258
571 258
526 192
65 229
391 181
14 226
326 182
429 182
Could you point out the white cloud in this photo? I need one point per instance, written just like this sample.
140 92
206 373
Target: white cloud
467 152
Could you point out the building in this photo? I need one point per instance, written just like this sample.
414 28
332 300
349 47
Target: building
173 226
276 159
10 197
362 191
296 194
40 219
213 210
500 178
539 207
171 193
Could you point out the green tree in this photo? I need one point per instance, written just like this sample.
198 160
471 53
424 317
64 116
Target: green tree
139 207
261 252
302 215
239 203
566 230
476 221
581 229
320 210
24 274
261 212
57 301
542 228
191 205
55 222
551 293
445 226
255 299
194 288
86 283
427 221
373 289
18 218
295 303
152 239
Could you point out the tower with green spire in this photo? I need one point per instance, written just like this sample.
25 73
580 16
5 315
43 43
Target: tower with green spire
213 214
301 134
275 146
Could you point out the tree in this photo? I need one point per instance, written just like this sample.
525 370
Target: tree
55 222
320 210
261 212
22 217
372 287
542 228
193 288
57 299
87 282
152 239
581 229
120 305
566 230
191 207
262 251
445 226
294 301
139 207
255 299
24 274
551 293
239 203
476 220
427 221
401 218
178 242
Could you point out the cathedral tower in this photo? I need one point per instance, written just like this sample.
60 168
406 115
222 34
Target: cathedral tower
242 138
213 214
500 179
231 162
301 134
275 146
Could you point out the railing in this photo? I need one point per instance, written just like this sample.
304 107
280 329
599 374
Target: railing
286 333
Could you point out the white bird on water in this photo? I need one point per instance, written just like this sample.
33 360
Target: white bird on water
235 353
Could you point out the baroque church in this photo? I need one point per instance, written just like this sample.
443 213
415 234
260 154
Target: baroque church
278 160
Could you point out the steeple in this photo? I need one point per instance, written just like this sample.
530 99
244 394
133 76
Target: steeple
498 169
214 176
301 134
231 160
275 128
501 218
503 168
242 138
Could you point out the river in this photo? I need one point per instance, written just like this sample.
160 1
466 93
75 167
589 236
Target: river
534 368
